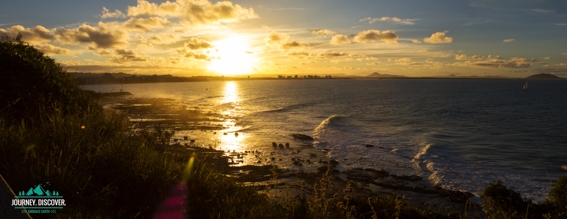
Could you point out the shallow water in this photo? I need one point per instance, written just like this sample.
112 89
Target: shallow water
460 134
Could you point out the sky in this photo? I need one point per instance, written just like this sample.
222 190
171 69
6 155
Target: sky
416 38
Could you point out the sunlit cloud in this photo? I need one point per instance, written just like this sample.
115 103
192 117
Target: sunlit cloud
276 39
295 45
390 19
299 54
49 49
509 40
370 36
145 8
111 14
438 37
194 11
146 24
197 43
493 61
103 36
340 39
33 35
323 32
197 56
163 39
126 55
416 41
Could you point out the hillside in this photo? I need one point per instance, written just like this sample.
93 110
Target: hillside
544 76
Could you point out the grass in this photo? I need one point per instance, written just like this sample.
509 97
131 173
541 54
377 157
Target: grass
104 170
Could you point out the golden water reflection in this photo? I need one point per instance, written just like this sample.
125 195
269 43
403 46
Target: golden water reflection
230 93
230 138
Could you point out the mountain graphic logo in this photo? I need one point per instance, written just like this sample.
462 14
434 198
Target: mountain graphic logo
38 190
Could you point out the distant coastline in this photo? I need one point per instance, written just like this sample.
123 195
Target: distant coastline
123 78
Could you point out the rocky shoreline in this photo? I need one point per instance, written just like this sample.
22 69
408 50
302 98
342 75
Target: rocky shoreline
265 173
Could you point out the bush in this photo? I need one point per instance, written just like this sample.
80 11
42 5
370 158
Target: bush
32 84
557 198
501 202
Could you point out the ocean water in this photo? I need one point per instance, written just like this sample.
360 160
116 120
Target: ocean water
459 134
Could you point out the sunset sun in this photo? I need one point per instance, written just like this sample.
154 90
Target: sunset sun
232 56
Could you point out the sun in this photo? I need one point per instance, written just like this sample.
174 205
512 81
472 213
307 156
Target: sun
232 56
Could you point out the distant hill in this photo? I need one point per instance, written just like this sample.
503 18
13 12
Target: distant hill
378 75
543 76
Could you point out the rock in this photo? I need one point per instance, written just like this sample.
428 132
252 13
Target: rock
287 145
274 144
408 178
333 163
280 145
369 145
302 137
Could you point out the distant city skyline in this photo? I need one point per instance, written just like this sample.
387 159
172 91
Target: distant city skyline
320 37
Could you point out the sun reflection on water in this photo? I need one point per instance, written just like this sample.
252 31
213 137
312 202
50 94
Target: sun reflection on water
230 138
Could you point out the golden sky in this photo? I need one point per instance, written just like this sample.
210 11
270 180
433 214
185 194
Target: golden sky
324 37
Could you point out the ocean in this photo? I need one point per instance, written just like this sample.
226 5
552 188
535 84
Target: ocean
460 134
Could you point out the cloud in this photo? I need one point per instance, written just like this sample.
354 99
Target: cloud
126 55
390 19
102 36
194 11
145 8
35 34
565 54
543 11
197 56
340 39
438 37
197 43
295 45
299 54
493 61
416 41
146 24
49 49
562 64
108 14
461 57
509 40
276 39
204 12
163 39
369 36
547 58
323 32
333 54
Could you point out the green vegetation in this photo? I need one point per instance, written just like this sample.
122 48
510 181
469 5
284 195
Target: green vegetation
50 130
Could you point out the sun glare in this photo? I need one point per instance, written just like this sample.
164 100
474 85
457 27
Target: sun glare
232 56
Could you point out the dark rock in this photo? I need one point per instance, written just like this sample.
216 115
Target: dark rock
280 145
369 145
302 137
408 178
287 145
333 163
274 144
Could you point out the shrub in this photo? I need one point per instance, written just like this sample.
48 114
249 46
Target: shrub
557 198
32 84
501 202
